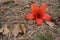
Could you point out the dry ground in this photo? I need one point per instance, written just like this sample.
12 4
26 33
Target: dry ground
12 18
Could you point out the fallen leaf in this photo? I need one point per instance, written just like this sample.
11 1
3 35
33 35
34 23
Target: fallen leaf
22 26
51 24
5 29
16 30
1 30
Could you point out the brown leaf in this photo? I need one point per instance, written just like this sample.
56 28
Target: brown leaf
5 29
16 30
22 26
1 30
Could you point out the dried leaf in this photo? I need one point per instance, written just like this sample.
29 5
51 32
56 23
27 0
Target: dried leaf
1 30
16 30
5 29
22 26
51 24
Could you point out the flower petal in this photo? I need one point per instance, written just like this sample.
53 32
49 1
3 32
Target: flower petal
29 16
46 17
34 8
39 21
42 8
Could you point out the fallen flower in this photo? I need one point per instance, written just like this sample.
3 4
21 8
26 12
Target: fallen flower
38 14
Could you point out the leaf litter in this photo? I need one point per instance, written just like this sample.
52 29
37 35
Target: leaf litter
5 30
19 29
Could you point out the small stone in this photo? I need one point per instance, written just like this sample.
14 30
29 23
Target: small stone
51 24
27 6
30 22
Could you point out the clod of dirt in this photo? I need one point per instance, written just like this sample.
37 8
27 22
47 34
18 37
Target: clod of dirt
16 30
6 2
5 8
56 20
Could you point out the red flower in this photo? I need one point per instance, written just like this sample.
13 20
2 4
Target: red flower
38 14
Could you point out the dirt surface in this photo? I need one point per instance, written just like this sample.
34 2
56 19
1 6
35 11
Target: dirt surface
12 14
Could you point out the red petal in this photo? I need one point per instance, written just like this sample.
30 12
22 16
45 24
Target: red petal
29 16
34 8
46 17
43 8
39 21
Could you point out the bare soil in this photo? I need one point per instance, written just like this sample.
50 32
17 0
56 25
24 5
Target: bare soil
13 12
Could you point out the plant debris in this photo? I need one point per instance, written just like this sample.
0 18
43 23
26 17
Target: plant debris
5 30
16 30
23 28
13 25
51 24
